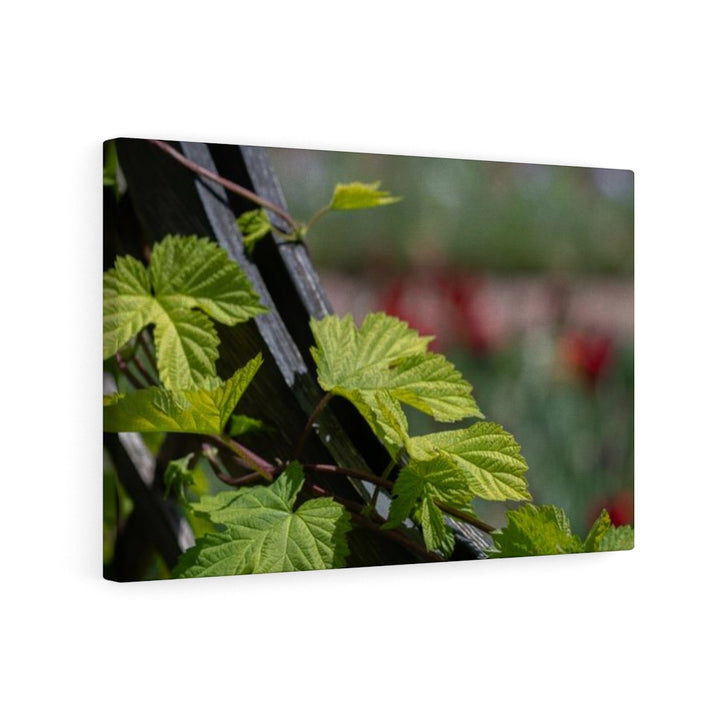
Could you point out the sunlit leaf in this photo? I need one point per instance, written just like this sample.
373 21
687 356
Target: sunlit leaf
545 530
597 532
535 530
618 538
178 475
357 195
431 384
189 281
254 225
244 425
382 364
418 487
203 410
484 453
262 533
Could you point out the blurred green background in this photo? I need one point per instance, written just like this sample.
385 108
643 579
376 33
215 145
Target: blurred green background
524 274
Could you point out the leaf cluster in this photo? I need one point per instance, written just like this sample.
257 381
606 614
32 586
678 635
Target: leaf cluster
545 530
383 365
262 533
256 224
189 283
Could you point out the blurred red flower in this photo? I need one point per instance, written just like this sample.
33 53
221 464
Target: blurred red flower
620 507
588 354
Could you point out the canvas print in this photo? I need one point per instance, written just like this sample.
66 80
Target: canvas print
318 360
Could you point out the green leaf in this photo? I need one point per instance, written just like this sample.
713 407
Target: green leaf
431 384
384 415
545 530
535 530
186 346
244 425
436 534
485 454
254 225
178 475
128 305
204 410
188 280
618 538
347 356
110 163
385 363
420 485
111 168
432 479
263 534
357 195
597 532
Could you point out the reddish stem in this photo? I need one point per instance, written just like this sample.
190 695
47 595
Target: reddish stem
227 184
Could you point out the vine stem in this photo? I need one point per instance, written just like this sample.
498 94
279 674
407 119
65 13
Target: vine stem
388 485
260 465
126 372
384 476
143 370
308 425
318 214
227 184
350 472
148 352
355 511
465 517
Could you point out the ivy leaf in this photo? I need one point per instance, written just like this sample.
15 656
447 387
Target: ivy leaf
263 534
188 280
485 454
203 410
423 484
254 225
385 363
357 195
618 538
535 530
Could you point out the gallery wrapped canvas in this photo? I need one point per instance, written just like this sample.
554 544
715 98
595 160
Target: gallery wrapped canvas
318 360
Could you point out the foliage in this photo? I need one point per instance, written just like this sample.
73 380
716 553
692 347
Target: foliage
263 534
189 281
545 530
256 224
356 196
203 410
385 363
277 520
